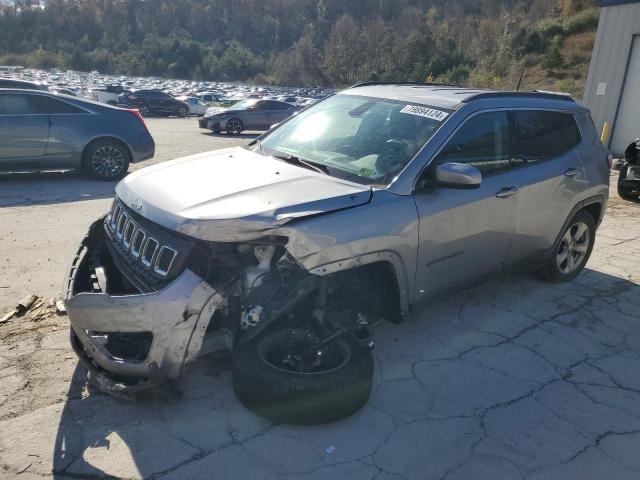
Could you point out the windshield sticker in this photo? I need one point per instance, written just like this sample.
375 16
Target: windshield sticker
427 112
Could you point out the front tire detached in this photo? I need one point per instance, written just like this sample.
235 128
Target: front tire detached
267 380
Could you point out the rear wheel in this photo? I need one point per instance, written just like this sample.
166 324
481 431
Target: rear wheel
182 112
572 250
286 376
144 111
234 126
107 160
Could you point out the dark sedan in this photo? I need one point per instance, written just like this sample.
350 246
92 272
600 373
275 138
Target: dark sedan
43 131
21 84
249 114
153 102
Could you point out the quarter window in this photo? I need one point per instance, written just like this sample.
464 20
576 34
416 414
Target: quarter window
45 105
483 142
542 135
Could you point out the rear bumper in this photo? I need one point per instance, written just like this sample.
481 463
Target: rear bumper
143 148
176 318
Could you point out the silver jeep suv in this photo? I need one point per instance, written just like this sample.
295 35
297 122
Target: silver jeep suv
359 208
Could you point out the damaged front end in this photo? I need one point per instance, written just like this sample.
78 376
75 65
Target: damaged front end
144 301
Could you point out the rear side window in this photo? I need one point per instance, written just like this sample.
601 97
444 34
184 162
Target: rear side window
277 106
14 104
542 135
483 142
46 105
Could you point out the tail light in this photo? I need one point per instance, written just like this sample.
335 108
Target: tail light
136 112
131 97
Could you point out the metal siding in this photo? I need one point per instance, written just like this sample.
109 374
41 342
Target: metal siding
627 129
609 61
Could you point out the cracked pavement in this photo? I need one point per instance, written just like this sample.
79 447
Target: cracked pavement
513 379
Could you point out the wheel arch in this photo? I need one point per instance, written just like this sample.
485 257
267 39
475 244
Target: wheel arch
390 268
85 149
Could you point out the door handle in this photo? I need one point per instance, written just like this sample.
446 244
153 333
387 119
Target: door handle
571 172
505 192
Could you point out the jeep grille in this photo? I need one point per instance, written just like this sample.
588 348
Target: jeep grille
137 243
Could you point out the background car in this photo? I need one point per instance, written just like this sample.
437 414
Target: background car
251 114
196 106
153 102
214 99
44 131
21 84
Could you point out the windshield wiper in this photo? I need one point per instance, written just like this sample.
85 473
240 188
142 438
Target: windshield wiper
303 163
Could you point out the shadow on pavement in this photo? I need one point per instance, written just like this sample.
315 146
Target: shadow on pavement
24 189
248 136
156 436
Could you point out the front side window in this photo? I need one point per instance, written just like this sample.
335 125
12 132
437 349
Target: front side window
542 135
14 104
483 142
362 139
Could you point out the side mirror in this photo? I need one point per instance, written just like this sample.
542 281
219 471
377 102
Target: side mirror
458 175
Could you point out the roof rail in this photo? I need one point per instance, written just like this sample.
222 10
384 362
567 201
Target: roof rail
417 84
533 94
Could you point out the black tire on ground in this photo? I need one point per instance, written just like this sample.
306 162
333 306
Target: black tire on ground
284 395
182 112
144 111
572 250
234 126
623 192
106 160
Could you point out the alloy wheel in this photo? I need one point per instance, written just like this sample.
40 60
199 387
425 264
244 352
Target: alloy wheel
234 127
573 248
108 161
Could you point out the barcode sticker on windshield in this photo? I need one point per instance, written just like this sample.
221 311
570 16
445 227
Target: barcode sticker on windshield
427 112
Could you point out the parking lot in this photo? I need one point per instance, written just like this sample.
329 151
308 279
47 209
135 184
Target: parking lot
513 379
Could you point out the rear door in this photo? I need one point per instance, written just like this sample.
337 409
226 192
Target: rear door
23 133
550 177
257 116
278 111
465 233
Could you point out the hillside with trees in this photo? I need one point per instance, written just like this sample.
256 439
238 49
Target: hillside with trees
484 43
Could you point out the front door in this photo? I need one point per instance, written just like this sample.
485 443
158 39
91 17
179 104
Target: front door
465 233
23 133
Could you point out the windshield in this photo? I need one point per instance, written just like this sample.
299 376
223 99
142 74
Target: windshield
362 139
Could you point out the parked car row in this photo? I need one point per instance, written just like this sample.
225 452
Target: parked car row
108 88
41 130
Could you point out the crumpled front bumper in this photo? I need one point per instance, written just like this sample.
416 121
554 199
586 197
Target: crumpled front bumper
177 317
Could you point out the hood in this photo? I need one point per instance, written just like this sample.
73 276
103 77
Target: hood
216 110
234 194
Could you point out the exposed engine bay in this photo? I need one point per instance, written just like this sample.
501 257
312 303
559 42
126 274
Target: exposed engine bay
164 299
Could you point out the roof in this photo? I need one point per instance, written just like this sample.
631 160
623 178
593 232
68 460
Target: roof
444 96
613 3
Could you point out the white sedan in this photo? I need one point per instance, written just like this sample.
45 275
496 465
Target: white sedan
196 106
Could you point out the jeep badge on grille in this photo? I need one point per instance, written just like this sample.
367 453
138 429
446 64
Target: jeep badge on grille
137 204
